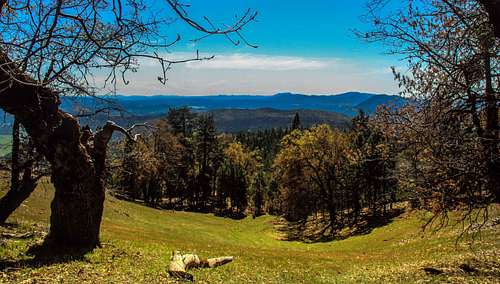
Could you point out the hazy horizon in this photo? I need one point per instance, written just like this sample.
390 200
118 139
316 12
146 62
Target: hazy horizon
249 94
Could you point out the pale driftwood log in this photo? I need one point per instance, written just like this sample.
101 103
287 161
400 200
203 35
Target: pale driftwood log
8 235
180 263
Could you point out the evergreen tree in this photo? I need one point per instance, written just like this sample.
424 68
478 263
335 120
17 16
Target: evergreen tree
372 173
258 186
207 159
181 120
296 122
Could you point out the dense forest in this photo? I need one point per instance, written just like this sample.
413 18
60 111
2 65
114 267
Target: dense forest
183 163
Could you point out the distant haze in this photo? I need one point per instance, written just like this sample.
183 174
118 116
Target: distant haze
262 74
347 103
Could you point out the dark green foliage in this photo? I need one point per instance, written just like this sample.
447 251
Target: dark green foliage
181 120
208 157
257 193
233 186
185 164
296 121
267 142
344 177
375 184
181 164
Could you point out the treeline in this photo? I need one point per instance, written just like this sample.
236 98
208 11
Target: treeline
346 177
183 163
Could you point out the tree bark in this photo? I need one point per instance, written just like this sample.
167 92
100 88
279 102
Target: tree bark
14 165
492 7
76 168
491 132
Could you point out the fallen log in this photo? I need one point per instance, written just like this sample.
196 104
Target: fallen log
180 263
8 235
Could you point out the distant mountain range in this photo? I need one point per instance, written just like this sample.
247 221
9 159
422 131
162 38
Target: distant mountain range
347 103
232 113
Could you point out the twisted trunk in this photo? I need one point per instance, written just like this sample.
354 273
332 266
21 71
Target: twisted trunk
77 169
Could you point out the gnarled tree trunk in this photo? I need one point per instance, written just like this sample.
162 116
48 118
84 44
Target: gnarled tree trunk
77 168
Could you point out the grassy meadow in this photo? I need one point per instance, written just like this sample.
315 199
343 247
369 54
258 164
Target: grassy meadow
5 144
137 242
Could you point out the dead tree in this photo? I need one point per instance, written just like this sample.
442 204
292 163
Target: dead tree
452 48
52 48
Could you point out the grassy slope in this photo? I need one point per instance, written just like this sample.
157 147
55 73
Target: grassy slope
5 144
137 242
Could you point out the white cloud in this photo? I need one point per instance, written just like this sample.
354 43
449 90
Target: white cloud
259 62
261 74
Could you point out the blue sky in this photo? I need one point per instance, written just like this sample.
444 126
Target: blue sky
304 47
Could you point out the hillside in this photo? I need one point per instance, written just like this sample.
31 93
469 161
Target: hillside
236 120
137 242
226 120
330 109
371 104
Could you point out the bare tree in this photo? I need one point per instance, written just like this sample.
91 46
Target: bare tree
452 48
52 48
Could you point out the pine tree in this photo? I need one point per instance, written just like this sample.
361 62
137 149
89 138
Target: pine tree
207 158
296 122
181 120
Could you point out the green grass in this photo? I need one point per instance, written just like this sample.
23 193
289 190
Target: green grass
137 242
5 144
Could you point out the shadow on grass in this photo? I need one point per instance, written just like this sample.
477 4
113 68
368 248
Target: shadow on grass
235 215
321 230
472 267
44 254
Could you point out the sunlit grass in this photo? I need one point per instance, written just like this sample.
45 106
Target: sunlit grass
5 144
137 242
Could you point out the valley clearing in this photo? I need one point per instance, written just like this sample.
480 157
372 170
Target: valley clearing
137 243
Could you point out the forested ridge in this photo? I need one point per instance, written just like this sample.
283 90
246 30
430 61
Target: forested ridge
184 163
